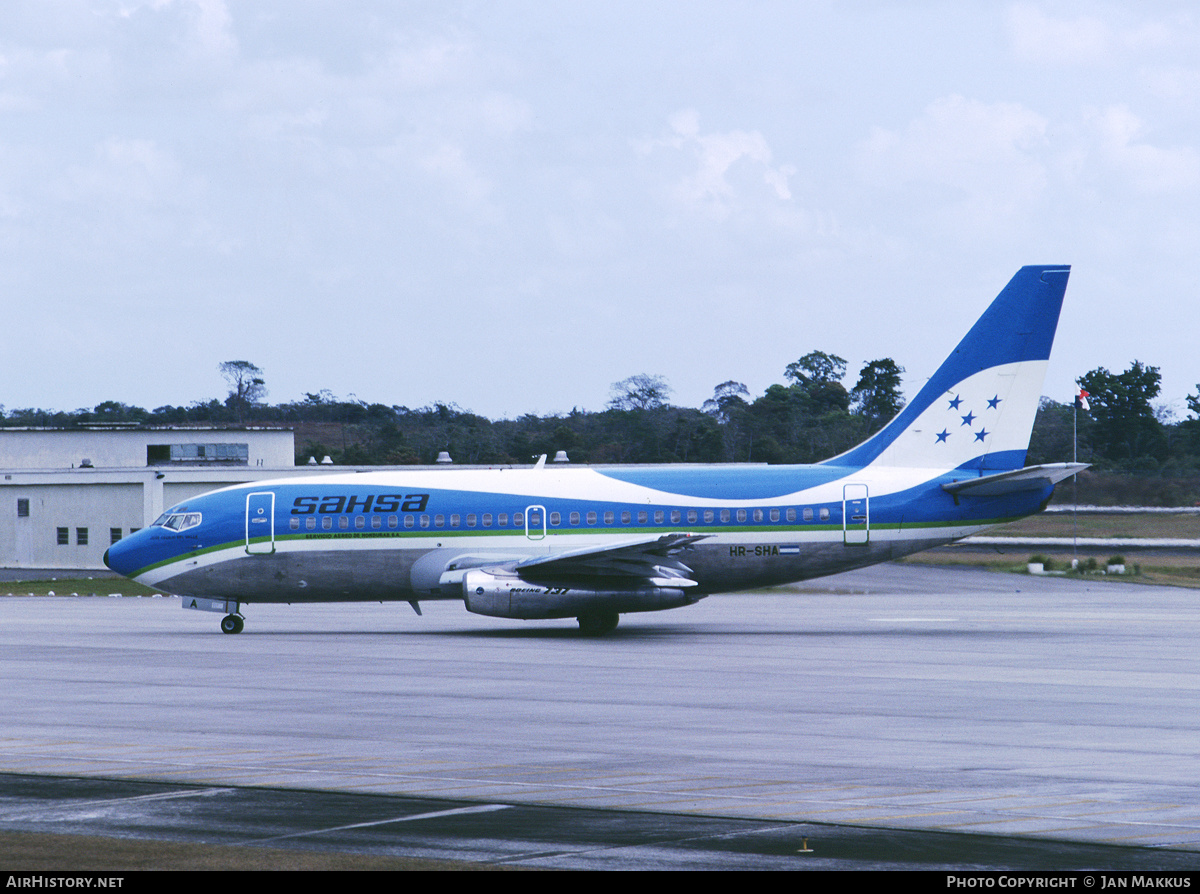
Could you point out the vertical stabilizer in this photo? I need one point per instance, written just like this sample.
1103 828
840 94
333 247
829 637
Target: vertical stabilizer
977 410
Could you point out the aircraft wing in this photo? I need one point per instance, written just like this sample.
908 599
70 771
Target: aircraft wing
644 560
1029 478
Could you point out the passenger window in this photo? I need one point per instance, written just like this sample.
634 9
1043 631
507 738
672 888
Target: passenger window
675 516
424 521
574 518
724 515
625 518
471 519
293 523
392 521
327 523
824 514
708 516
758 515
455 521
658 516
791 515
609 518
487 519
591 517
643 518
360 522
344 522
376 522
518 519
409 521
502 519
808 514
310 523
555 519
741 515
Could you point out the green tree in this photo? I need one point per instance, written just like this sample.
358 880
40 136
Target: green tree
1124 428
818 376
640 392
877 394
816 366
246 385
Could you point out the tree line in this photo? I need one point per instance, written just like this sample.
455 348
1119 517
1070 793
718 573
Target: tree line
808 417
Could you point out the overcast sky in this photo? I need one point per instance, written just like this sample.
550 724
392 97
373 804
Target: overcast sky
512 205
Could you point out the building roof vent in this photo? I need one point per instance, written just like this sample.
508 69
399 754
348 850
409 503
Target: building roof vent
444 457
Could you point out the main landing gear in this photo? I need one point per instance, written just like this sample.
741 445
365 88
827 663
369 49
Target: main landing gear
598 623
232 624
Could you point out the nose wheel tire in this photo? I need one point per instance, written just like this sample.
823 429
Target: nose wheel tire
232 624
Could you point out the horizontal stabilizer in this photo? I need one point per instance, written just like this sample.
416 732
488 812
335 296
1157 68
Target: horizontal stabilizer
1030 478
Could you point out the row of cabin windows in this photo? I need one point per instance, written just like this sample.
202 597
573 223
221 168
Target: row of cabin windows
659 516
81 536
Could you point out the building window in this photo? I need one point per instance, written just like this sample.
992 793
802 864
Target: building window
195 454
81 537
114 534
22 508
64 536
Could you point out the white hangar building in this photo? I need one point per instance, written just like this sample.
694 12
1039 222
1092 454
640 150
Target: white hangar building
66 495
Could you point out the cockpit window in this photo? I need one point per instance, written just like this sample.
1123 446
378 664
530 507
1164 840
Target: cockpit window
177 521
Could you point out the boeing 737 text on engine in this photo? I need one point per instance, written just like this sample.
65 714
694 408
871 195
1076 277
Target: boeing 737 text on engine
592 543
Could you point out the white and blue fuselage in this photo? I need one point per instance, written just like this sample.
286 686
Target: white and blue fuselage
592 543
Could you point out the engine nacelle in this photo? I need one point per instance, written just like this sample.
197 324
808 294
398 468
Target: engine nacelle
510 597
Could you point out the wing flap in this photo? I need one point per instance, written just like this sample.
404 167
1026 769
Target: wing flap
647 560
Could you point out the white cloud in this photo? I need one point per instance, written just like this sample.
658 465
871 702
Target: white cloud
718 157
1091 39
1040 37
983 158
1123 152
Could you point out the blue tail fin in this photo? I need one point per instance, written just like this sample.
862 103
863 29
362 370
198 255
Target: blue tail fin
977 410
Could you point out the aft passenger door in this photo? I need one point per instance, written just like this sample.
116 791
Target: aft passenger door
535 522
260 523
856 515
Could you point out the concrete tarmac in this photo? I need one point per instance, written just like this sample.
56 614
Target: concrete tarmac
898 697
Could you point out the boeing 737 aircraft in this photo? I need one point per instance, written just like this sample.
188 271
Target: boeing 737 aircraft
591 543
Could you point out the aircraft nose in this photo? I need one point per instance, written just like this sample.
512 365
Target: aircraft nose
122 557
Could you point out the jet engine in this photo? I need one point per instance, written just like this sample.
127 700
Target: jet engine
508 596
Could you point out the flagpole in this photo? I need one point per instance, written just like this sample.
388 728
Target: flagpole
1080 404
